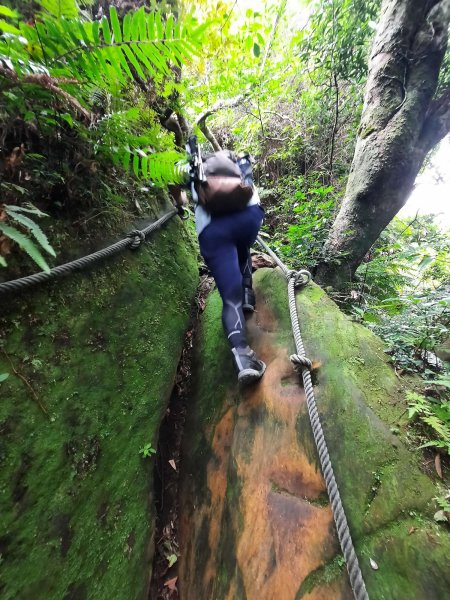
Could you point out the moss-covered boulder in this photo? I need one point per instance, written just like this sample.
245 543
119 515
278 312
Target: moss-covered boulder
91 361
256 522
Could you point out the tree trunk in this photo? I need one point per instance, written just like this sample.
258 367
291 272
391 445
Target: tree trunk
400 124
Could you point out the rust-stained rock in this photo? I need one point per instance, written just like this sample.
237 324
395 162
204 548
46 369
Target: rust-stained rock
255 519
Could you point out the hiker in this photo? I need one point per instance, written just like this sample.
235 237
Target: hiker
226 231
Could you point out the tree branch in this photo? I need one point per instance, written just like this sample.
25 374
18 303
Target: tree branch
170 121
437 122
201 121
51 84
218 106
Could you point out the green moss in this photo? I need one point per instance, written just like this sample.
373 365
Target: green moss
100 350
358 397
324 574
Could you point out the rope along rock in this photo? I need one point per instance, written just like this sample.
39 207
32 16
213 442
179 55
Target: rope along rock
133 241
303 365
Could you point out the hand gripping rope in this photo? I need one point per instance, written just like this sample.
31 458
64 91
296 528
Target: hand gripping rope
133 240
303 365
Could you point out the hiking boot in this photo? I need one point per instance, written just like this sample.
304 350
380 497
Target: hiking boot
248 367
249 300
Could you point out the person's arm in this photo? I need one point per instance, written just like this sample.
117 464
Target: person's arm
179 197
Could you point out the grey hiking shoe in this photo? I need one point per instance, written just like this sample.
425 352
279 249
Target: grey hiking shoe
249 303
249 368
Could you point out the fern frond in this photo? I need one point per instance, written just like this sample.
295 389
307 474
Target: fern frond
162 168
60 8
26 244
33 228
105 50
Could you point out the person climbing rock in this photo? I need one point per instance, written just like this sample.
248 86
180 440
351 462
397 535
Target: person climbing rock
228 216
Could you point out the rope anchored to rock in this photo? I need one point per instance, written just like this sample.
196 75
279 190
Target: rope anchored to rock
133 240
303 365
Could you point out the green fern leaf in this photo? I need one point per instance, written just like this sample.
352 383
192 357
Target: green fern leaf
135 26
142 25
60 8
8 28
3 262
127 27
141 56
95 32
169 28
151 26
33 227
26 244
131 57
159 27
126 160
136 164
115 24
106 31
121 61
144 166
7 12
28 208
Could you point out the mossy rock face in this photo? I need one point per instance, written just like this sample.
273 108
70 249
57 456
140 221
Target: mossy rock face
98 351
256 523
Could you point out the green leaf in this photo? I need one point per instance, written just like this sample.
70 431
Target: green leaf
106 31
7 28
151 26
115 24
3 262
132 58
159 27
140 16
126 160
34 229
256 49
135 27
28 208
169 27
3 376
144 166
26 244
172 559
95 32
121 61
136 164
7 12
61 8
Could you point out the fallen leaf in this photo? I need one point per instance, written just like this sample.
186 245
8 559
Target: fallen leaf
373 564
437 464
172 464
171 583
412 530
172 559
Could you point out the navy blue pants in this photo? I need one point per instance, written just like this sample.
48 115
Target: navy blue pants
225 245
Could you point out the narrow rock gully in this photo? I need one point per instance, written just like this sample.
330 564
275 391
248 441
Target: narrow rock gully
251 520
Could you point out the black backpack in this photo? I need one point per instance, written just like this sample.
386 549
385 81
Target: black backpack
221 188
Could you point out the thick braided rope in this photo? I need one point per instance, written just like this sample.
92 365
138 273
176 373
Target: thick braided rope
133 241
345 540
271 253
303 364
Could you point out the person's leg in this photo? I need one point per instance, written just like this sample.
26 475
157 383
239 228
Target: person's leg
221 256
245 265
245 235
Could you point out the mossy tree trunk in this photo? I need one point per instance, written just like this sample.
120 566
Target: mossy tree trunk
400 124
